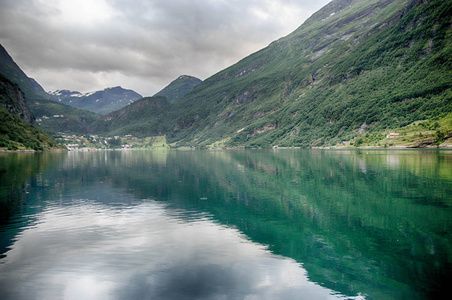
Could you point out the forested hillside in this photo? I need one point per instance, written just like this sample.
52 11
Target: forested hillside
140 118
17 131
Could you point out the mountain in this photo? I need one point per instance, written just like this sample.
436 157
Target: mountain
53 116
101 102
179 87
62 95
17 129
141 118
354 67
11 70
13 100
56 117
353 71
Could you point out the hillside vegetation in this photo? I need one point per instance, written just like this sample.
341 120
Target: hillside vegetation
16 134
350 69
139 119
16 129
425 133
57 117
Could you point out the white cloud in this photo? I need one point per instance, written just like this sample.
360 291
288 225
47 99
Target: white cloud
85 12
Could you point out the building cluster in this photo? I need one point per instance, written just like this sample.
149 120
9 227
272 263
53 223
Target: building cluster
93 142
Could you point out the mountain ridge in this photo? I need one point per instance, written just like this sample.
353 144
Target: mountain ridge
100 102
30 87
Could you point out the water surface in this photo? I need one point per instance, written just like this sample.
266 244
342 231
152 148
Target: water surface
291 224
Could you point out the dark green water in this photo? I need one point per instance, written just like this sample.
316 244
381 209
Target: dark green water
287 224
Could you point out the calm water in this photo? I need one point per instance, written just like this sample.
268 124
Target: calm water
287 224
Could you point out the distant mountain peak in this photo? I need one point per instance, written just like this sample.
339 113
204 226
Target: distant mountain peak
116 88
185 77
101 102
60 94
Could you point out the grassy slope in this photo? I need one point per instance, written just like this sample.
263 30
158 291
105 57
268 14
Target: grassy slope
74 120
16 134
374 65
426 133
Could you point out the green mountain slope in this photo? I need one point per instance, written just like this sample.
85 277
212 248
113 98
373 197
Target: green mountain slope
69 119
179 87
141 118
57 117
16 129
353 67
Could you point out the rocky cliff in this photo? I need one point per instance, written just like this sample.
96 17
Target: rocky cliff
13 100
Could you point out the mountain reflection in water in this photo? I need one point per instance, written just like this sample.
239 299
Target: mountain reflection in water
287 224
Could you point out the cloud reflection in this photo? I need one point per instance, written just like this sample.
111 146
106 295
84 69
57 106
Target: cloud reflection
148 251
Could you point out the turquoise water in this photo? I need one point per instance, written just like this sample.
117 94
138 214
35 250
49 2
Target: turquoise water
239 224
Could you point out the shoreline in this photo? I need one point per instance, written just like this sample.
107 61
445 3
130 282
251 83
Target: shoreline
32 151
438 147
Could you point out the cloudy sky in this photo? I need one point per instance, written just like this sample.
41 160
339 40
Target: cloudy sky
88 45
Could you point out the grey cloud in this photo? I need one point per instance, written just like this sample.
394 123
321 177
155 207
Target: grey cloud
150 40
